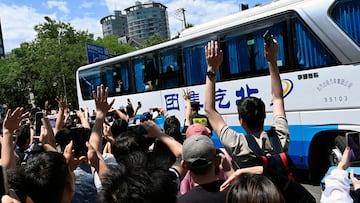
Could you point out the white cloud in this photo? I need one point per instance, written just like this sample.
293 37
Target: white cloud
18 21
20 27
87 4
196 12
61 5
92 25
118 5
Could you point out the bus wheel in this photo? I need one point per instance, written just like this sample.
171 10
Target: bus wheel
337 150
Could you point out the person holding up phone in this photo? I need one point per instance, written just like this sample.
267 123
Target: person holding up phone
38 122
353 141
337 183
251 111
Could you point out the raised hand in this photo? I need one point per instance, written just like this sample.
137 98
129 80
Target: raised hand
152 129
13 119
69 154
61 102
100 96
270 52
187 94
214 55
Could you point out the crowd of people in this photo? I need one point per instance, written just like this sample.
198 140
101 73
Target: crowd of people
94 158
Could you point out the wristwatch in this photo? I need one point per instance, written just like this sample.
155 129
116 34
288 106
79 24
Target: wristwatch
211 74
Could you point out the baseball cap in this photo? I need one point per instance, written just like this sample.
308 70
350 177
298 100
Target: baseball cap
198 151
197 129
145 116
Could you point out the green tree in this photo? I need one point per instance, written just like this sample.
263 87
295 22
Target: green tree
44 66
113 46
153 40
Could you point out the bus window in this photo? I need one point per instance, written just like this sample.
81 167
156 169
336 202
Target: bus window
308 49
139 74
195 64
236 55
89 80
120 78
260 61
170 75
150 73
245 53
347 15
146 73
124 77
109 79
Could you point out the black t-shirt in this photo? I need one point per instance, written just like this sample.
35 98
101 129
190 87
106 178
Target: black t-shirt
208 193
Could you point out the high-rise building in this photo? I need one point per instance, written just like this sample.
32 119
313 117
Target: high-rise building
114 24
147 19
2 50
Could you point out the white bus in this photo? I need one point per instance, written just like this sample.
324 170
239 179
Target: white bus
319 61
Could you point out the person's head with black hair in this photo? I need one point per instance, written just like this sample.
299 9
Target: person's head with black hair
48 178
22 142
118 126
164 187
195 106
130 149
65 135
16 178
122 184
253 188
161 156
172 128
23 136
251 112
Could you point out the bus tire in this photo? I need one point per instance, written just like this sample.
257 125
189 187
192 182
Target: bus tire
337 149
323 148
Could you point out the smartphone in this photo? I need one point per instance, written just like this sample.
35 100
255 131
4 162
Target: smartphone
38 122
4 182
80 136
267 37
353 141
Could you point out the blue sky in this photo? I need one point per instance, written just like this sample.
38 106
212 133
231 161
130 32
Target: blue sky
18 17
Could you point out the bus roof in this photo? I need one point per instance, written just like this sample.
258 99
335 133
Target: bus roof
226 23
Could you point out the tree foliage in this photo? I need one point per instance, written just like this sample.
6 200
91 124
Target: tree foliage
153 40
44 66
113 46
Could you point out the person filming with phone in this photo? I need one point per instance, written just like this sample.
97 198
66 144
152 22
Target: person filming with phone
251 111
337 183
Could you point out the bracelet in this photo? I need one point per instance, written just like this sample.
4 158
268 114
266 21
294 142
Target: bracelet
211 74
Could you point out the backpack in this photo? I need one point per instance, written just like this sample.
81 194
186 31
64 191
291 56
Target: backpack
278 160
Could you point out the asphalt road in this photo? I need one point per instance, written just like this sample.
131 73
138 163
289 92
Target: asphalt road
314 190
